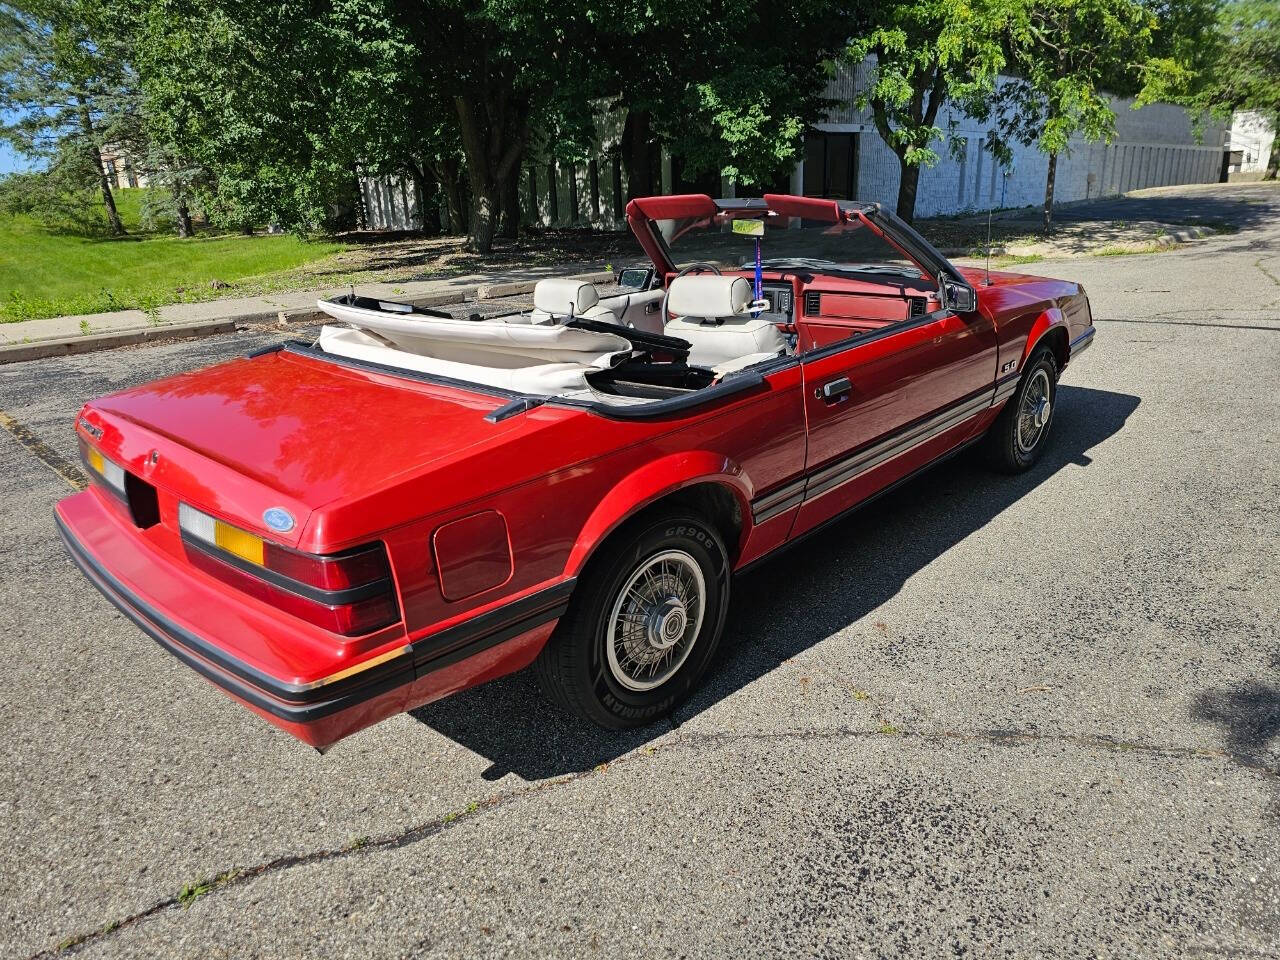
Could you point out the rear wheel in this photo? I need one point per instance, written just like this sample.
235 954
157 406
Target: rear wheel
1018 437
643 624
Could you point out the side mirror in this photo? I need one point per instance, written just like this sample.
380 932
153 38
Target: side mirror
636 278
959 297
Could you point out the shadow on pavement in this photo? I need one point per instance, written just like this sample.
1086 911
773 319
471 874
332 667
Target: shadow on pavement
838 577
1238 205
1250 717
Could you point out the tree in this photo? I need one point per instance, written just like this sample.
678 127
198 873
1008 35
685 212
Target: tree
497 62
267 105
926 53
728 88
72 91
1245 72
1067 54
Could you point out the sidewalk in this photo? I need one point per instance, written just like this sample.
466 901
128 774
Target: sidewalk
1143 222
55 336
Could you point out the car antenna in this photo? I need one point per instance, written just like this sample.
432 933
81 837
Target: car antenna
988 283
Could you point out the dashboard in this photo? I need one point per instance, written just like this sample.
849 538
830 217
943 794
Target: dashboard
814 310
781 297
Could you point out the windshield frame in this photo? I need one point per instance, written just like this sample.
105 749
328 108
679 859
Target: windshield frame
643 214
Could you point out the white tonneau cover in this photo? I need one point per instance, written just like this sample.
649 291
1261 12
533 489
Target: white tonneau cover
504 352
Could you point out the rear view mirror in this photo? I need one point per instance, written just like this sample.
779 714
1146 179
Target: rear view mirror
959 297
636 278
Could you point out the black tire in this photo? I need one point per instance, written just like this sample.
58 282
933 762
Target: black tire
1007 443
574 668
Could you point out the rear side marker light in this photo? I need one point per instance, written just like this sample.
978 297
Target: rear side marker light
349 593
110 473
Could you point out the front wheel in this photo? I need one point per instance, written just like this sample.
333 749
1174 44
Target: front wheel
1019 435
643 624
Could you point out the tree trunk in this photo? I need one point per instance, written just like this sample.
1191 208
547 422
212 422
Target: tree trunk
637 146
184 220
108 198
113 215
425 181
1048 192
494 127
511 204
445 172
362 220
486 206
908 184
1273 162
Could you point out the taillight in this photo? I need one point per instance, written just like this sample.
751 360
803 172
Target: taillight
349 593
136 495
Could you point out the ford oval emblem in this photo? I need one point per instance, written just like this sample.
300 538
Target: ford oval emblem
278 519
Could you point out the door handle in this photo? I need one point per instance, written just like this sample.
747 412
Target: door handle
834 391
652 307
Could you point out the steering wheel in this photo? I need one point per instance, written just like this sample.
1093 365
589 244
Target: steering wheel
700 268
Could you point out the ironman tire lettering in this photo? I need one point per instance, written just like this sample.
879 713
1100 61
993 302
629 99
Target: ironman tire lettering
1019 435
643 624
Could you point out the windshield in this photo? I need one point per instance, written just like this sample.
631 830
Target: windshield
787 244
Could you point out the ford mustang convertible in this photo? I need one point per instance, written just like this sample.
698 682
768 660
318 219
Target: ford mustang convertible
336 531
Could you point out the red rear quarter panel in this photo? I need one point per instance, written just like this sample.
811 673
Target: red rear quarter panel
565 480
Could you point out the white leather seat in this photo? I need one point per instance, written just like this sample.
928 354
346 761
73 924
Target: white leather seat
635 311
558 298
712 314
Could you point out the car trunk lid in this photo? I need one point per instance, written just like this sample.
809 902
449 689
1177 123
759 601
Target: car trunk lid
285 431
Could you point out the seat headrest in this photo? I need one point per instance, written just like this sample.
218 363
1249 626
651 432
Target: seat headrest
708 297
562 296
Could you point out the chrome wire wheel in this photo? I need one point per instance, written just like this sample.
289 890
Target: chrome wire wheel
1034 412
655 620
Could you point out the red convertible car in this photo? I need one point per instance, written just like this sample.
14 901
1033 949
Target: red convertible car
337 531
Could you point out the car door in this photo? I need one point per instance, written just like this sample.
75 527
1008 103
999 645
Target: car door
880 405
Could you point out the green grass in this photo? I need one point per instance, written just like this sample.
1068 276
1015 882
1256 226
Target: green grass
1122 251
46 273
1016 259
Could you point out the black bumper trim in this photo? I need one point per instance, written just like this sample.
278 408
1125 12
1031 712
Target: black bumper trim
458 642
1082 342
301 703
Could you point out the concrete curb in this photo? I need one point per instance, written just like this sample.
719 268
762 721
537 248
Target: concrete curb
63 346
87 343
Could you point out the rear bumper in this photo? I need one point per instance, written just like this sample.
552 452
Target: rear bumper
321 713
294 703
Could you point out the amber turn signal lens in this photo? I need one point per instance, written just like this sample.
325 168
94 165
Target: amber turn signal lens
237 542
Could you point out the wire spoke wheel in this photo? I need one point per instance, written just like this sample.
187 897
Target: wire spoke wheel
655 620
1033 412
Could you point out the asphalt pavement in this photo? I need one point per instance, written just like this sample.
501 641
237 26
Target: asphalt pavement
1017 716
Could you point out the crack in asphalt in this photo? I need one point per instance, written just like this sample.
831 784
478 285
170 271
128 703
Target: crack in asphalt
1265 272
51 458
236 877
1195 323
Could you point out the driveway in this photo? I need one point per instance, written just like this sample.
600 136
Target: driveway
1034 715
